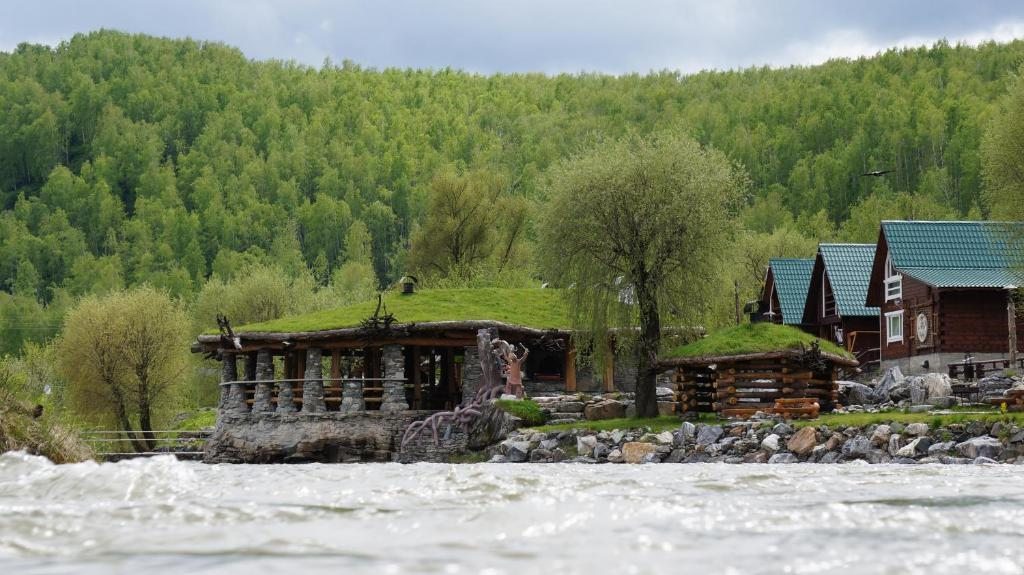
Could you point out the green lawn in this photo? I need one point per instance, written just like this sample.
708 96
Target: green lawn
656 424
537 308
753 338
967 415
525 409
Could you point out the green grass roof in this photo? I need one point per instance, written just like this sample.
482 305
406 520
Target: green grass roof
753 338
536 308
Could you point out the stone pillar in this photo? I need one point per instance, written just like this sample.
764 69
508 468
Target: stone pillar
313 383
471 373
285 397
234 402
394 379
264 368
352 396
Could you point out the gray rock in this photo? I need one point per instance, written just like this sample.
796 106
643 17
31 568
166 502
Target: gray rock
734 460
517 451
917 429
853 393
558 454
548 444
677 456
756 457
687 430
697 458
585 445
937 385
709 434
984 461
770 443
497 458
540 455
942 448
919 409
615 456
893 377
1017 437
895 443
831 457
916 447
877 456
651 458
880 437
600 451
663 438
947 460
581 459
905 461
783 458
856 447
782 430
983 446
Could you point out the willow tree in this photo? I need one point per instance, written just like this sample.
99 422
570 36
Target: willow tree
635 229
124 356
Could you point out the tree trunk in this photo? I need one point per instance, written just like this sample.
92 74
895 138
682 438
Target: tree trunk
647 348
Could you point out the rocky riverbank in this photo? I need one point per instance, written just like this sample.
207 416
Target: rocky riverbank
772 441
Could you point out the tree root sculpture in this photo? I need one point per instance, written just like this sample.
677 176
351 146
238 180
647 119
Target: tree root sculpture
464 415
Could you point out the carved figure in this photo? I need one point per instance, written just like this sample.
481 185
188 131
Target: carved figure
512 365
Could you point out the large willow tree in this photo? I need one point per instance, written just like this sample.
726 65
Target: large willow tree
635 229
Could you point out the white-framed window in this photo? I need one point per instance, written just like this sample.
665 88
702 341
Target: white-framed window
894 327
893 281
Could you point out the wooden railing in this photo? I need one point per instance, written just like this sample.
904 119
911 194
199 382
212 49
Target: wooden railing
333 390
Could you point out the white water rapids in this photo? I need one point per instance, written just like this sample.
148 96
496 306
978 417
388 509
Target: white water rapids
164 516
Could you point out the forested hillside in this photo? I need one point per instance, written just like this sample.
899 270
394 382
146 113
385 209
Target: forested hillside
127 159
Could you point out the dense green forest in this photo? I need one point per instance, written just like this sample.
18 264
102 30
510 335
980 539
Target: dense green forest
128 159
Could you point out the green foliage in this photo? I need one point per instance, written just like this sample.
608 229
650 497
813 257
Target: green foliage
524 409
753 338
537 308
1002 150
20 429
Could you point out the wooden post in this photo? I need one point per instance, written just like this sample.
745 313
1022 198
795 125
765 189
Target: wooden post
736 294
570 368
1011 321
609 372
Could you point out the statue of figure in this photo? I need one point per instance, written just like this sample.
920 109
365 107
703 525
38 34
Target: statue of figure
512 365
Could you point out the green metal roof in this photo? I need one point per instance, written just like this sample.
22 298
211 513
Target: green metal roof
958 254
849 271
792 280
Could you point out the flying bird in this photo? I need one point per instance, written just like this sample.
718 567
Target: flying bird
878 173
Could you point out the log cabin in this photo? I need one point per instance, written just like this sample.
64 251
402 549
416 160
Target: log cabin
835 309
785 291
944 290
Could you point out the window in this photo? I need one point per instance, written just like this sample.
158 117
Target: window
893 281
894 327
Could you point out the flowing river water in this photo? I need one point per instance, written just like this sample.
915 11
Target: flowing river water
164 516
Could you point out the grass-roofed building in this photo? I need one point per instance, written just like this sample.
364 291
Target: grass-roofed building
413 351
751 367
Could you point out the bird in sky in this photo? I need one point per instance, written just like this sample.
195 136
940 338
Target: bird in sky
878 173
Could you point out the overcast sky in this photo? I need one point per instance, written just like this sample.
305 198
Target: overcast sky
531 35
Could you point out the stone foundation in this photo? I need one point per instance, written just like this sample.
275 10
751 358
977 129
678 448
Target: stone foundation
326 437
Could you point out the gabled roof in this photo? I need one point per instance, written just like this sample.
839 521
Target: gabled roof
848 267
792 277
957 254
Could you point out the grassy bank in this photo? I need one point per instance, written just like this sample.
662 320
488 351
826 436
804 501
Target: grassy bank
20 430
840 420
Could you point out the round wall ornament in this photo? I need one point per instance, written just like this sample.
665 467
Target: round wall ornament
922 327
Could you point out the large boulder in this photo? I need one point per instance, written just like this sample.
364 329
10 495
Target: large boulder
938 385
916 429
853 393
783 458
803 441
604 409
709 434
585 445
770 443
636 452
856 447
893 378
880 436
984 446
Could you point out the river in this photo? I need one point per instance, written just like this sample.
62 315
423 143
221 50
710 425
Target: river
164 516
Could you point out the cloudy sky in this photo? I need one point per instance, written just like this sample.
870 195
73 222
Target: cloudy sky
531 35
